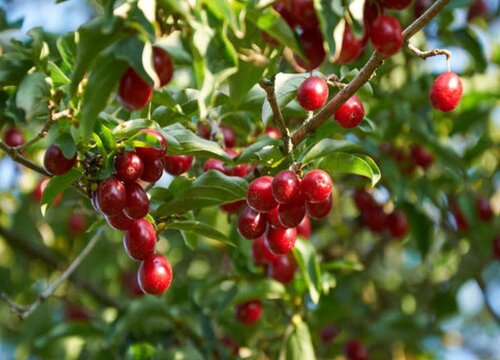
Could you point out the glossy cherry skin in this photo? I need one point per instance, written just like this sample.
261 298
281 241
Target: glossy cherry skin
55 162
128 166
234 207
420 7
304 13
163 65
248 312
479 8
304 228
38 192
111 196
214 164
312 93
155 274
421 156
133 92
153 170
150 153
261 255
77 223
240 170
316 186
260 194
13 137
137 205
283 268
286 187
483 208
328 334
319 210
397 222
446 92
119 221
272 132
395 4
352 47
251 224
140 239
375 219
351 113
177 164
496 246
290 215
312 44
354 350
371 11
229 136
386 35
363 200
273 218
280 241
283 8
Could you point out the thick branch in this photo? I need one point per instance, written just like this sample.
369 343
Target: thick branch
427 54
363 76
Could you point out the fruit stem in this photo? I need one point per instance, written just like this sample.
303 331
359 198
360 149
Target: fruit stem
430 53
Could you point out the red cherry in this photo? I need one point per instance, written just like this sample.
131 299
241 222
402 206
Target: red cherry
273 219
395 4
351 113
260 194
230 344
261 255
280 241
272 132
13 137
483 208
446 92
111 196
248 312
328 334
291 215
128 166
460 219
153 170
281 6
77 223
364 200
316 186
150 153
420 7
229 136
371 11
283 268
312 93
240 170
38 192
421 156
214 164
155 274
496 246
304 13
177 164
55 162
251 224
140 239
133 92
76 313
479 8
352 47
386 35
397 222
286 187
163 65
119 221
375 219
204 130
233 207
355 350
137 205
312 44
320 210
304 228
130 283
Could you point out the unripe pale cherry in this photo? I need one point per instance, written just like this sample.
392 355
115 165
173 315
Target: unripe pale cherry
177 164
304 228
261 255
286 187
151 153
319 210
283 268
280 241
251 224
55 162
260 194
352 47
386 35
13 137
111 196
154 275
163 65
316 186
133 92
137 205
351 113
248 312
397 222
119 221
152 170
140 239
312 93
446 92
290 215
128 166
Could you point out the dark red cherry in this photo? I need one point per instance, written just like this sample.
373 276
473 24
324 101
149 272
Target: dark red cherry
352 47
371 11
251 224
421 156
355 350
214 164
351 113
283 268
273 218
140 239
479 8
272 132
119 221
75 313
328 333
304 228
261 255
240 170
364 200
283 8
163 65
154 275
446 92
133 92
395 4
286 187
397 222
55 162
77 223
234 207
151 153
153 170
304 13
312 44
177 164
280 241
496 246
319 210
229 136
484 209
111 196
13 137
375 219
386 35
290 215
137 205
312 93
248 312
260 194
420 7
316 186
128 166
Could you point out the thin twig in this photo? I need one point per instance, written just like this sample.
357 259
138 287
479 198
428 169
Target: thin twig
427 54
362 77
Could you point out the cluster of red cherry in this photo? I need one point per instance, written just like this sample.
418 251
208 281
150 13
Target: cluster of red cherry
408 161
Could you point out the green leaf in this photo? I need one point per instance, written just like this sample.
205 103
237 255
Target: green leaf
67 145
139 55
343 264
351 164
327 147
299 344
307 259
211 188
58 184
13 68
241 82
421 228
223 11
328 21
199 228
140 351
260 289
57 75
144 139
128 128
33 95
264 152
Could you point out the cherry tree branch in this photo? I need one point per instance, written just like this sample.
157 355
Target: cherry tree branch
363 76
427 54
15 155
